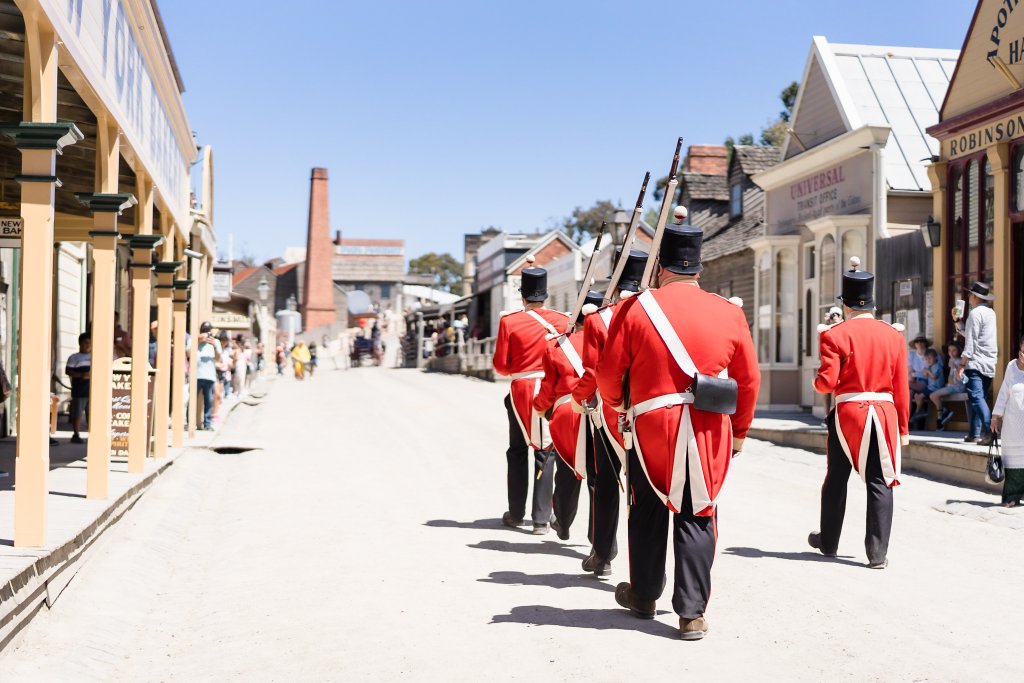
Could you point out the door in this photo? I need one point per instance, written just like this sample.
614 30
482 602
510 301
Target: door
1016 288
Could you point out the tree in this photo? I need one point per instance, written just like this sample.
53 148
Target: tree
775 133
445 269
585 223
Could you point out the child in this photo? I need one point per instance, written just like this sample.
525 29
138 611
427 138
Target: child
953 386
933 381
77 369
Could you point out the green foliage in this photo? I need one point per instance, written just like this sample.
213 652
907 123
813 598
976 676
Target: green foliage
445 269
585 223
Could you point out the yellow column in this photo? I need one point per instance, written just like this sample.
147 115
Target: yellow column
106 208
165 271
999 159
196 270
938 173
39 139
181 288
141 268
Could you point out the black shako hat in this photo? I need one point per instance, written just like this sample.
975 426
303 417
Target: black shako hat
595 299
680 249
633 271
858 290
534 286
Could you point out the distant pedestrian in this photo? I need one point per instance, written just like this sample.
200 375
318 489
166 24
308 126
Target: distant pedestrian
1008 423
312 358
5 393
77 369
209 353
300 356
979 359
279 357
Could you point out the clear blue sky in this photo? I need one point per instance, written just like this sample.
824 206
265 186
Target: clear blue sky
438 118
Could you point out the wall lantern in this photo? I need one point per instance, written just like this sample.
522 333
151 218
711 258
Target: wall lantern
263 289
931 231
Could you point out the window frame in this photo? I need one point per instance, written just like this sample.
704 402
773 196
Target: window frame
736 202
959 275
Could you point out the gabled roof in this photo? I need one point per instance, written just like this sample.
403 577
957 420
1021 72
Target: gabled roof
870 85
281 270
706 186
734 238
544 241
244 274
755 158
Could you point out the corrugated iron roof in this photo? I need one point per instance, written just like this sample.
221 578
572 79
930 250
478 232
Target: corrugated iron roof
896 86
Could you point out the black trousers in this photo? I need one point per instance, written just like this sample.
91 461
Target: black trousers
518 456
693 547
567 494
833 497
605 497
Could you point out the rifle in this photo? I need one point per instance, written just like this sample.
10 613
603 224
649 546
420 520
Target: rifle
587 280
666 204
627 241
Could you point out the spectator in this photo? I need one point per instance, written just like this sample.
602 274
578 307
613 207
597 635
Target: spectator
239 365
1008 421
934 381
122 342
5 393
152 342
916 364
311 366
77 369
979 359
279 358
209 353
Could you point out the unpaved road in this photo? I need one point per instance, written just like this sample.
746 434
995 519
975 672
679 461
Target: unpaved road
362 543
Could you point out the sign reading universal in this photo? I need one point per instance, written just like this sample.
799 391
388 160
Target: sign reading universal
976 140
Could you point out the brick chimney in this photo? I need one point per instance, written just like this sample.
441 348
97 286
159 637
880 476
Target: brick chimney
707 159
318 288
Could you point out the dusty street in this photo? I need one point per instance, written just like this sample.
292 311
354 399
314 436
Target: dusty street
362 542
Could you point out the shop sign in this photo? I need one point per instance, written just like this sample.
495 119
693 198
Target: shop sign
221 283
837 189
906 288
978 139
121 406
10 232
225 320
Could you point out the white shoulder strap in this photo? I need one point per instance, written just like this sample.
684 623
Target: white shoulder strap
544 323
570 352
669 336
606 316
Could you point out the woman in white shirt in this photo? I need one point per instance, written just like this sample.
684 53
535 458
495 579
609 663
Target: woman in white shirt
1008 422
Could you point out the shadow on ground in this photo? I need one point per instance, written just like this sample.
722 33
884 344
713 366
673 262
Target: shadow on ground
975 503
542 548
475 524
599 619
549 580
805 556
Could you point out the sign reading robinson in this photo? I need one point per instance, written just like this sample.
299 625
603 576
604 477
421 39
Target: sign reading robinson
978 139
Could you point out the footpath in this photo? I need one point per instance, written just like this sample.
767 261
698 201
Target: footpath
31 578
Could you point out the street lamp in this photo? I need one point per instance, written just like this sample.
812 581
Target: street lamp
293 304
263 289
931 231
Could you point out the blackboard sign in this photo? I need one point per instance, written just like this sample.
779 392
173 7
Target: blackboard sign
121 407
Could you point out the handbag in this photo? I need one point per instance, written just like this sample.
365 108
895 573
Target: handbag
994 471
714 394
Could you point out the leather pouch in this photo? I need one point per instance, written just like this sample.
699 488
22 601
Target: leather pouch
714 394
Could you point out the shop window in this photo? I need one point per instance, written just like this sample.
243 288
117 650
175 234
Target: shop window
1018 179
827 277
736 200
785 306
385 291
764 306
972 225
809 262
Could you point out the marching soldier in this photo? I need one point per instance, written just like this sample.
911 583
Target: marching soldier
570 432
670 348
523 338
609 454
864 363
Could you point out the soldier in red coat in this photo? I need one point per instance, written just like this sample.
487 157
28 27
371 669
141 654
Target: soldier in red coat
523 338
570 432
864 363
659 347
609 454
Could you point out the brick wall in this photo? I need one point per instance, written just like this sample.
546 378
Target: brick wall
318 300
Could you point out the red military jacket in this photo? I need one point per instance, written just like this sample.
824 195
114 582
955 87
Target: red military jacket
560 378
715 333
519 350
595 335
864 363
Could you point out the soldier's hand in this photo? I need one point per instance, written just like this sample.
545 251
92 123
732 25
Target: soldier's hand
904 439
736 453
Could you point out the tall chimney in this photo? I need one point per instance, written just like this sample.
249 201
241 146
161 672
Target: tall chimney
318 288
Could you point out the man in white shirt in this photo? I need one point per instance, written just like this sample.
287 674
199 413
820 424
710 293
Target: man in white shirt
978 359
